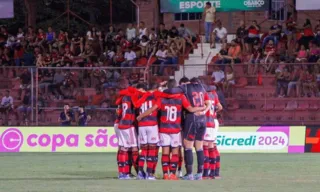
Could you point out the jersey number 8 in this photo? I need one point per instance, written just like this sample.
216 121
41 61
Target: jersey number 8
171 113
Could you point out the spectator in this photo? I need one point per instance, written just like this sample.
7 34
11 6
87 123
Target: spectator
233 54
302 55
294 81
20 36
130 58
163 32
131 32
308 83
314 53
218 76
24 110
253 35
316 73
45 80
290 30
153 34
143 30
283 78
241 35
255 58
25 79
67 116
308 34
229 82
6 106
219 35
57 82
50 38
209 15
269 56
173 54
144 45
162 59
274 34
317 31
187 34
83 118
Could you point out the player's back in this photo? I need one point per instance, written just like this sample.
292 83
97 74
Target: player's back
170 115
151 119
196 94
127 115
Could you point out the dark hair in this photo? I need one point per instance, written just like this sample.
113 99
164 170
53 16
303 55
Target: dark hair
66 104
208 3
142 86
154 86
308 22
162 24
184 80
172 83
195 80
181 25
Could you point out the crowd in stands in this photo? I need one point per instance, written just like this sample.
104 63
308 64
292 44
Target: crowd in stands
290 51
57 52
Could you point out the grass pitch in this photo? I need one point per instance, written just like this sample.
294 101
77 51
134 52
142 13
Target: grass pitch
92 172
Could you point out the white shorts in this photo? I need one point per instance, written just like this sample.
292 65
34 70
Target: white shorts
127 137
148 135
211 134
173 140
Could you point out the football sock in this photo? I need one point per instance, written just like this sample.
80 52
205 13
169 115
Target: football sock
135 156
180 159
217 170
142 157
165 163
188 160
130 160
156 160
206 165
123 165
212 157
151 158
174 163
200 159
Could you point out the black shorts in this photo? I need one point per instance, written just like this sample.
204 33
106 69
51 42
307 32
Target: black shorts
194 130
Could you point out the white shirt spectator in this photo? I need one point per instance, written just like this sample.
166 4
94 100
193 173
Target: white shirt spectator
7 101
142 32
131 33
218 76
221 33
89 35
162 55
129 56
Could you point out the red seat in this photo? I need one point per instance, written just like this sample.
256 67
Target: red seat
303 106
291 106
313 107
268 107
279 106
241 82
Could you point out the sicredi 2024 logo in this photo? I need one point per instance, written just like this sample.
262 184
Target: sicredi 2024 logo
11 140
254 3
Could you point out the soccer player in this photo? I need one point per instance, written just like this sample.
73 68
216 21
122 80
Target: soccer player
194 126
148 133
127 137
211 134
170 108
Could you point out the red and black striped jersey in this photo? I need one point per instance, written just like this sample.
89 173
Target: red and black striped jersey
212 114
171 113
149 101
126 113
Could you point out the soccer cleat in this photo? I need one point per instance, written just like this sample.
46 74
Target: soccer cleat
180 174
152 178
166 177
217 177
206 178
187 177
173 177
132 176
198 176
141 175
124 176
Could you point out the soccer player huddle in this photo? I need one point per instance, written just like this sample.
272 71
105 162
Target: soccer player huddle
177 118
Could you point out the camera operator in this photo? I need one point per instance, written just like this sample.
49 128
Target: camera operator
67 116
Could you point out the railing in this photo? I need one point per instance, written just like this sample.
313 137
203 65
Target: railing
251 100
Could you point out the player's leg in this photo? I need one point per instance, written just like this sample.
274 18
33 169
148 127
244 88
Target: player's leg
206 165
152 155
143 152
165 158
116 130
216 151
175 143
180 157
212 157
134 150
200 131
188 143
156 161
123 157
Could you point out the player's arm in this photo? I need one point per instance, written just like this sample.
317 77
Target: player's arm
186 104
208 104
219 106
149 111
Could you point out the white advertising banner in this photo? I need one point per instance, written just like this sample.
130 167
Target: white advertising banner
308 5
